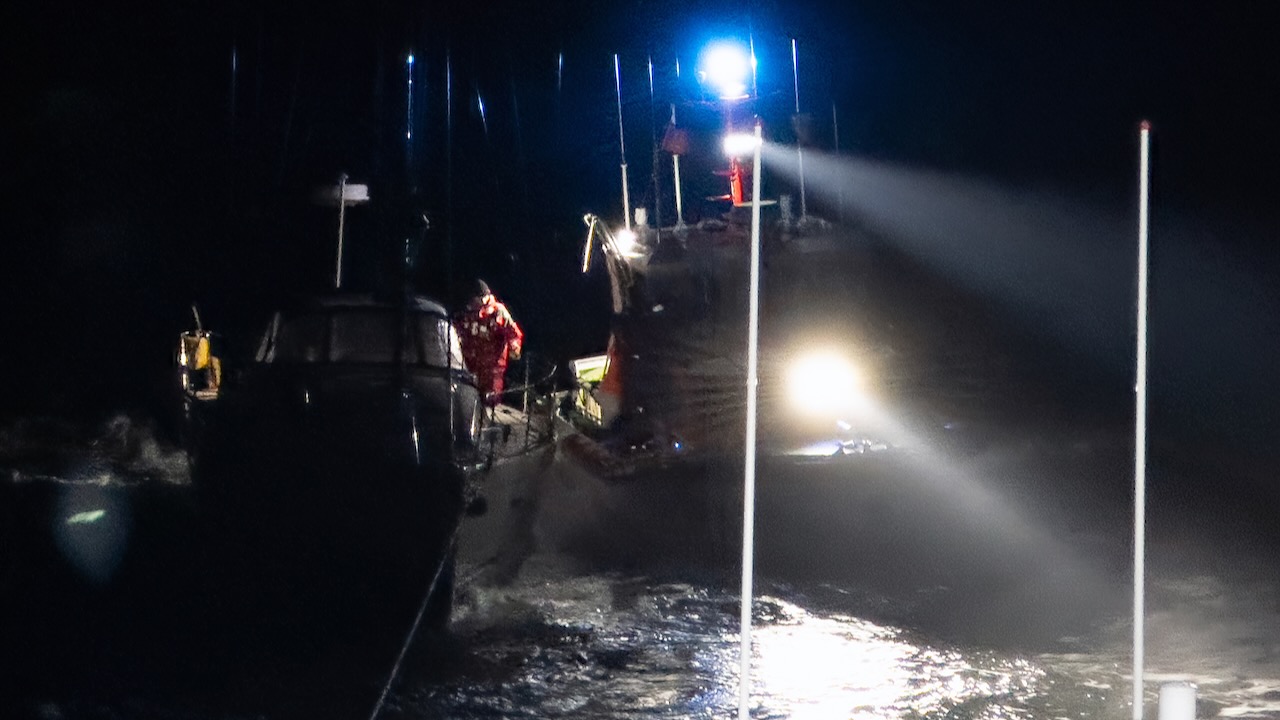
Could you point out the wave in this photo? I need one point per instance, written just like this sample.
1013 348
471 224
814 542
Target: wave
122 450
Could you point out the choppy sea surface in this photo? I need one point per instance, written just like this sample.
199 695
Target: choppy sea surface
559 640
555 645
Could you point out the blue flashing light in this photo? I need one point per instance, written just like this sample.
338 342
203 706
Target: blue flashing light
726 67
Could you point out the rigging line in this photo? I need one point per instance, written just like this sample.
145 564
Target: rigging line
417 620
657 156
448 249
448 154
559 100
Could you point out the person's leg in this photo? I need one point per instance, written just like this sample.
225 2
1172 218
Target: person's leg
497 380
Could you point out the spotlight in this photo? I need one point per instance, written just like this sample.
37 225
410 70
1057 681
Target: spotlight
739 144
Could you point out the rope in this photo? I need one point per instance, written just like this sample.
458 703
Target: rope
413 629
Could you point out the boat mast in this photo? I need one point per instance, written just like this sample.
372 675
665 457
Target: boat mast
622 143
347 194
795 76
835 132
675 169
408 120
675 162
342 217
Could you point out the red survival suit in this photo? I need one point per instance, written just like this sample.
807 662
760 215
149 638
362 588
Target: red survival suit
489 336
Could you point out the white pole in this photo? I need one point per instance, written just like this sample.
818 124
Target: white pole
835 131
622 143
749 479
408 116
795 76
675 167
342 217
1140 430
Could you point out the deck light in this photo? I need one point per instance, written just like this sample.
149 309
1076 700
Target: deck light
739 144
627 242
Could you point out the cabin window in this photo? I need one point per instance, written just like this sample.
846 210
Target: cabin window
361 337
455 348
300 340
435 334
267 343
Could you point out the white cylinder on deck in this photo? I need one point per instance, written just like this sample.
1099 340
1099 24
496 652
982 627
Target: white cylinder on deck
1177 701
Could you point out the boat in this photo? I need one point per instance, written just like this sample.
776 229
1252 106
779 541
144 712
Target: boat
879 384
348 441
671 384
897 490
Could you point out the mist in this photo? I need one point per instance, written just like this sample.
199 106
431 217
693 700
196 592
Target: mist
1063 267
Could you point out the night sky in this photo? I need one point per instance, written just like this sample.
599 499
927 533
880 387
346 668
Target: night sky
160 153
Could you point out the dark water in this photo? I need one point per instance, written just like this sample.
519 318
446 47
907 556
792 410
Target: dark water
115 607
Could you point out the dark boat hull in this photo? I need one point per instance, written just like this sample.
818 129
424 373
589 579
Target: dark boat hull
340 456
351 487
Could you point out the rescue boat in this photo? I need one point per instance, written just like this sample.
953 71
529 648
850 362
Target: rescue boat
874 378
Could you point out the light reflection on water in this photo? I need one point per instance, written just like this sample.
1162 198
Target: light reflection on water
603 647
824 667
559 645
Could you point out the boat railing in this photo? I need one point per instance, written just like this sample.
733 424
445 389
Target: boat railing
536 406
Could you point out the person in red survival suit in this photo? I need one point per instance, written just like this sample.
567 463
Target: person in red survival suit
489 336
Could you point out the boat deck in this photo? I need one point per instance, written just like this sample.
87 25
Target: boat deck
519 450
